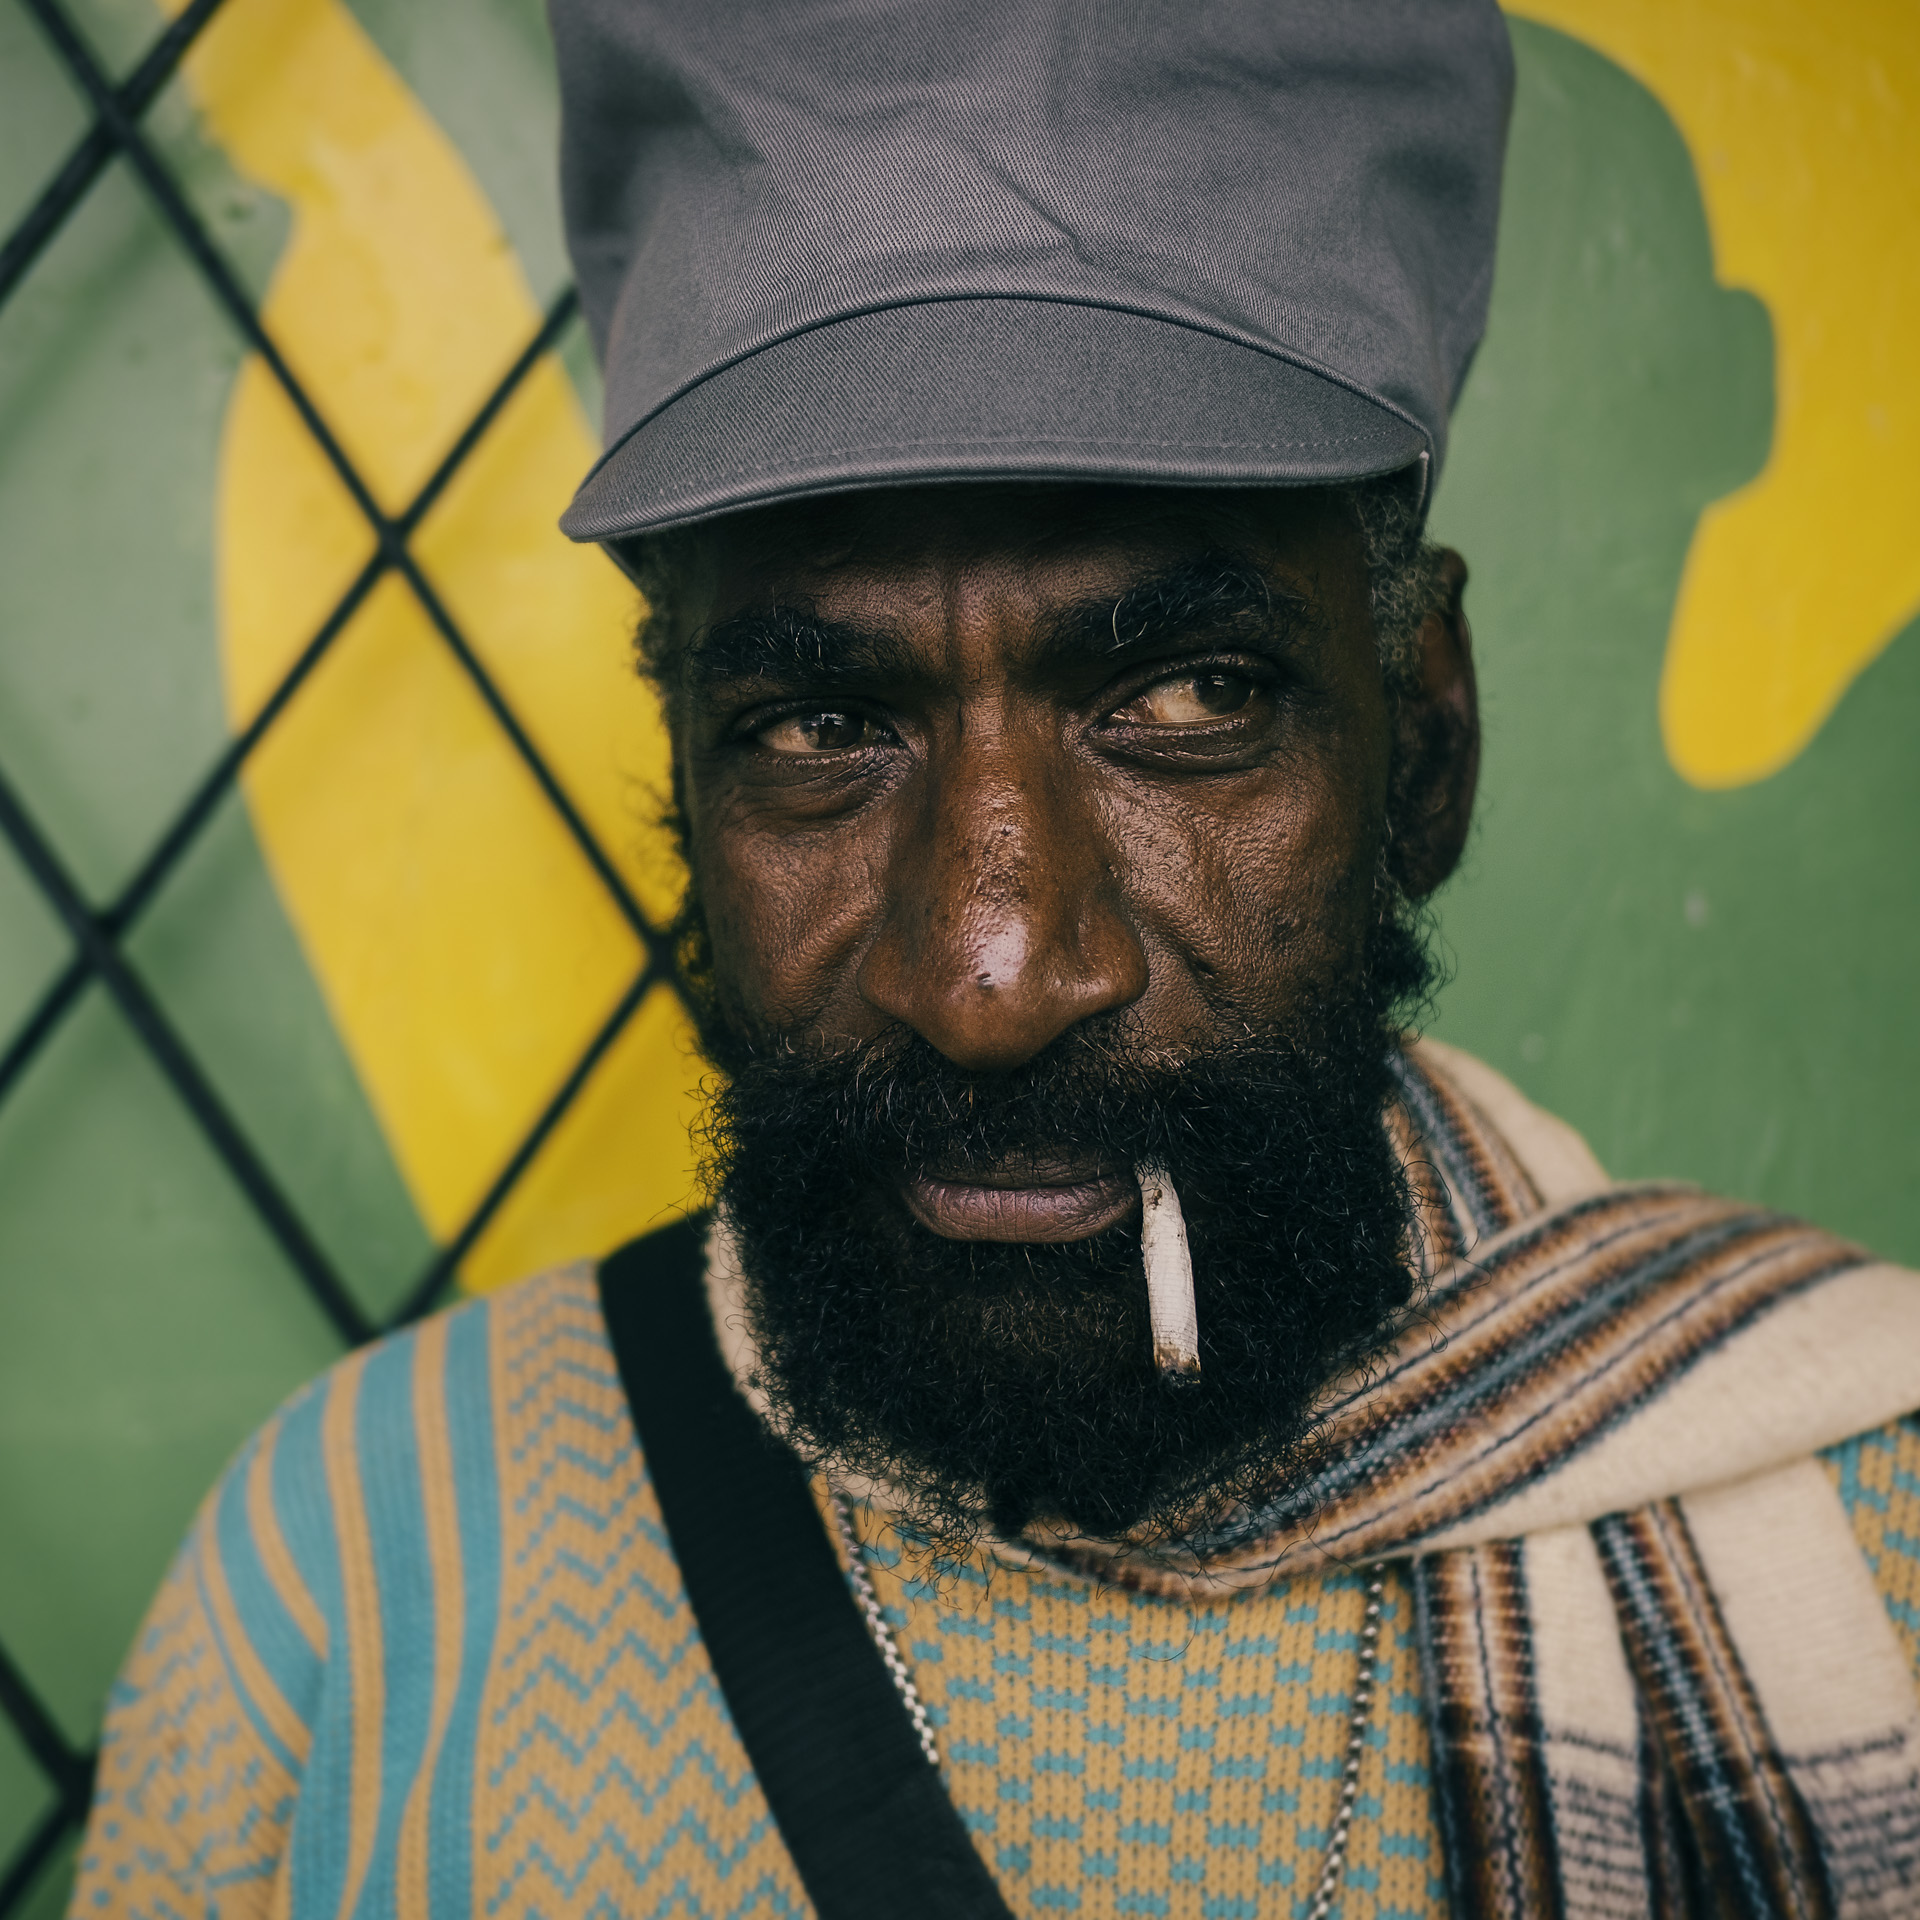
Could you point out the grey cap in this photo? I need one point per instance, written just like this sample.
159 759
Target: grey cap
827 244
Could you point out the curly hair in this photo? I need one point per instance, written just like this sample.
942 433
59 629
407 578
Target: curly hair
1404 578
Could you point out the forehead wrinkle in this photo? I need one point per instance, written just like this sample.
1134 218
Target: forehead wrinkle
1208 594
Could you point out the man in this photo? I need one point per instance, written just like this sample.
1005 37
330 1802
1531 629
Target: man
1138 1435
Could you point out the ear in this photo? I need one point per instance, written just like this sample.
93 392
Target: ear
1436 745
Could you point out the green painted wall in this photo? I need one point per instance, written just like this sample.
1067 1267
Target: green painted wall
1713 986
1718 986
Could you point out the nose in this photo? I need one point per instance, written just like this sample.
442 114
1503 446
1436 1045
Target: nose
1004 924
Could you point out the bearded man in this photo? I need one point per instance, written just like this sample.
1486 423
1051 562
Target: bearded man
1140 1432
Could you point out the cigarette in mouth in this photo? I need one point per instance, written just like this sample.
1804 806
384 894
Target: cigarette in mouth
1163 1247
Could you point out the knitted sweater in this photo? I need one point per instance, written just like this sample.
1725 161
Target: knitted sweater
426 1652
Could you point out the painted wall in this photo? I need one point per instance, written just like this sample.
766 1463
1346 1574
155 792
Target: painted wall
1683 474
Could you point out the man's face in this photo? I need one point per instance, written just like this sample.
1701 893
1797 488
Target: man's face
984 762
1034 829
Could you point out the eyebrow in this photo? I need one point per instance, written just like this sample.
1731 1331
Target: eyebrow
1211 593
792 643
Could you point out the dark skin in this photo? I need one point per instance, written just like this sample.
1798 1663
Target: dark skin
988 761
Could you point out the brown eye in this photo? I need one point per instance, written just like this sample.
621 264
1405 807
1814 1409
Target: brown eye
824 732
1191 699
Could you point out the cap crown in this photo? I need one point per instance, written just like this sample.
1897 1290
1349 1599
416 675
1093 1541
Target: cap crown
1316 180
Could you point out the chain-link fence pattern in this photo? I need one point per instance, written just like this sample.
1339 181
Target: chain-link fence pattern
99 930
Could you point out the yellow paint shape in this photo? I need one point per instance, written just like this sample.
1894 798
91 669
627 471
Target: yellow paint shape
1804 126
466 950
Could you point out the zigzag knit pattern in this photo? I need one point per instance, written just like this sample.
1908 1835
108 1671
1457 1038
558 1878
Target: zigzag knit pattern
427 1653
607 1763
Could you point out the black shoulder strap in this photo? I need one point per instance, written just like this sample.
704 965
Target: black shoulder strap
868 1823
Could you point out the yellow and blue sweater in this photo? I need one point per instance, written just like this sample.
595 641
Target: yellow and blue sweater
426 1653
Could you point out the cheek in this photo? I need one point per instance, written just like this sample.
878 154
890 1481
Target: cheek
789 913
1262 892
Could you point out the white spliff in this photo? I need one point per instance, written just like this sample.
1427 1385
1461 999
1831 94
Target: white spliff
1163 1247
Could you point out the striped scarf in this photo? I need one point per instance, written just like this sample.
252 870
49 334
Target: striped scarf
1659 1678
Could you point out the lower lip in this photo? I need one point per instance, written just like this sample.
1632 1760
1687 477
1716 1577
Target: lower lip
957 1211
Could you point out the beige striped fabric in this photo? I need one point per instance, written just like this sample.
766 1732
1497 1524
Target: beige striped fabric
1692 1706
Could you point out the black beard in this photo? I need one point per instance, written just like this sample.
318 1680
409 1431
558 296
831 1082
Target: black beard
998 1384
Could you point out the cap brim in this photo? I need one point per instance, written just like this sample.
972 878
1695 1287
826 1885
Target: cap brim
986 390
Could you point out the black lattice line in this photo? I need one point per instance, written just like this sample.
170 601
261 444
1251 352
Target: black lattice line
171 1054
117 919
68 1772
98 934
83 166
36 1850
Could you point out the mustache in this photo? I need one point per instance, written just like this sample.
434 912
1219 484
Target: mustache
1092 1101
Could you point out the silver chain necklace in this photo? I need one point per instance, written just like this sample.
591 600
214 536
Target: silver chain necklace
1336 1863
882 1638
1357 1721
